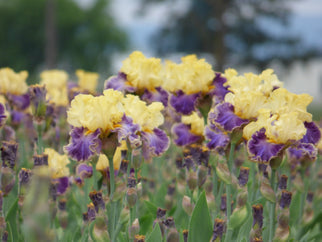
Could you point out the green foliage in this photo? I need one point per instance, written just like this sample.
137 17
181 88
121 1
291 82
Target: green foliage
156 235
86 37
200 227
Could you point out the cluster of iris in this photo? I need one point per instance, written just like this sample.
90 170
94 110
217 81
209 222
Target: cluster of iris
147 106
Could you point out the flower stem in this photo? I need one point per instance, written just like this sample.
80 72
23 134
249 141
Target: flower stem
272 209
228 191
112 181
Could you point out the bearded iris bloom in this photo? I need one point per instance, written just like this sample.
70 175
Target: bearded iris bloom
12 82
95 118
59 171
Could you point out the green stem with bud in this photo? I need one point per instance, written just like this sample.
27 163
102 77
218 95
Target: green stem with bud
228 191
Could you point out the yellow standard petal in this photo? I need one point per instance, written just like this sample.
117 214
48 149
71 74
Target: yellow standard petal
197 123
56 86
147 116
13 82
57 163
142 72
87 80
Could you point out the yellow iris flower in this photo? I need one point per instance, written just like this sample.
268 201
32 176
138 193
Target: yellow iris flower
87 80
56 86
57 163
142 72
13 82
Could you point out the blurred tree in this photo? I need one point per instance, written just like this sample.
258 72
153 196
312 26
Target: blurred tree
58 32
233 31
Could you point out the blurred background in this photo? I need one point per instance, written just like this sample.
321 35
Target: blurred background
96 35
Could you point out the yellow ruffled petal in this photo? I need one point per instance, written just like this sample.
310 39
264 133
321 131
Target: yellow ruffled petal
56 86
57 163
197 123
87 80
13 82
142 72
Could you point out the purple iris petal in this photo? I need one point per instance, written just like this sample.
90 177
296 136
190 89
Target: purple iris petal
183 103
154 143
17 117
62 185
20 101
220 91
218 140
225 118
159 95
3 117
313 134
119 83
84 171
128 130
183 135
303 151
260 149
83 146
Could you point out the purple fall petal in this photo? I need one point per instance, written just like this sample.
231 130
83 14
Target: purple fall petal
84 171
219 92
260 150
159 95
154 143
183 103
183 135
83 146
128 130
313 134
21 102
3 116
303 151
17 117
119 83
63 183
218 140
225 118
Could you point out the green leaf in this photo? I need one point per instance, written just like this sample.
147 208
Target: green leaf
11 218
155 235
200 227
151 208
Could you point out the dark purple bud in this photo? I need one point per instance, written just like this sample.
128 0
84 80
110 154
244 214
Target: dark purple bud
62 204
85 217
139 238
179 162
243 176
53 189
91 215
171 189
223 204
131 182
309 197
124 165
286 199
185 235
258 215
40 160
97 199
188 163
161 213
9 153
20 102
282 182
169 222
5 236
219 229
24 176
